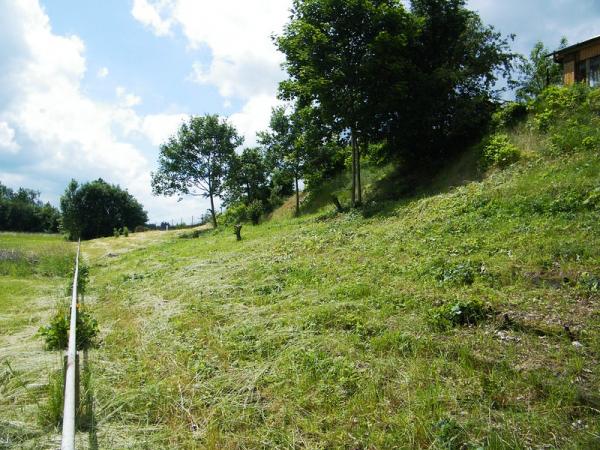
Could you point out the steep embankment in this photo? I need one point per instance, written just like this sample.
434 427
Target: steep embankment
463 317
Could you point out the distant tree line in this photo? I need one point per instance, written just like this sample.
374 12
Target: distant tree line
409 85
22 210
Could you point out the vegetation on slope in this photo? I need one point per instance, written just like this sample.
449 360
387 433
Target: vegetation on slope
467 318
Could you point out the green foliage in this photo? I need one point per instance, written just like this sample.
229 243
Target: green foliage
589 283
50 412
500 152
449 435
538 72
255 210
509 115
83 278
22 210
456 274
125 231
116 232
96 208
56 334
465 312
197 160
234 214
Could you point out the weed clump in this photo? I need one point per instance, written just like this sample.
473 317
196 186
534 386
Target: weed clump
500 151
461 313
56 334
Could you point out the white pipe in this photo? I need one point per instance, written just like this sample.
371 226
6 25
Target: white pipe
68 429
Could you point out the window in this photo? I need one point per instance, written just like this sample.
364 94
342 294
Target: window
594 71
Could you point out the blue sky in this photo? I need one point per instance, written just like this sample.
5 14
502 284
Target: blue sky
90 89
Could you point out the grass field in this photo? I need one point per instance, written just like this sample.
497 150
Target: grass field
33 273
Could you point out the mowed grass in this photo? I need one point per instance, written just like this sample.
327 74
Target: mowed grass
34 269
323 332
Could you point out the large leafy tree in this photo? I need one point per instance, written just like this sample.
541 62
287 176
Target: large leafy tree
332 50
96 208
451 80
539 71
197 159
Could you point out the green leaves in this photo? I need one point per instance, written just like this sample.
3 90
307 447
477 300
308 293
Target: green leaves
197 159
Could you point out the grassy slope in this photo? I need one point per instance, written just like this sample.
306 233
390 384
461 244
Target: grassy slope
316 332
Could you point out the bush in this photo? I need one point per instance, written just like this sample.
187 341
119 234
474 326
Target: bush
255 210
467 312
116 232
236 213
500 151
56 334
125 231
140 229
509 115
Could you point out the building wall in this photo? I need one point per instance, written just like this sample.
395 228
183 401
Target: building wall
569 72
589 52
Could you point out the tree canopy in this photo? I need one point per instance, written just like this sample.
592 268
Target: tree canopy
197 160
22 210
96 208
539 71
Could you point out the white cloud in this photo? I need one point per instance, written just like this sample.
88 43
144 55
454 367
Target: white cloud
7 139
159 127
254 117
102 72
127 99
149 15
60 132
245 63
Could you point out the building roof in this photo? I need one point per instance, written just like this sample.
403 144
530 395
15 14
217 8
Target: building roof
559 54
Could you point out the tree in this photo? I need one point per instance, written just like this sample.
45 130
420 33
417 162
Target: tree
248 178
96 208
22 210
285 148
451 83
331 62
197 159
539 71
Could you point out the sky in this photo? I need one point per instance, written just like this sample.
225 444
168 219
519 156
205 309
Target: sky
91 89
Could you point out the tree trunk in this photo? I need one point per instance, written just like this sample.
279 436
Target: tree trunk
237 228
212 210
297 196
353 196
358 180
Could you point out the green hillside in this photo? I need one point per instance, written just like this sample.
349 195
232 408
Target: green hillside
463 316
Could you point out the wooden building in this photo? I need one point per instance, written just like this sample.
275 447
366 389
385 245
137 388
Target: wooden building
581 62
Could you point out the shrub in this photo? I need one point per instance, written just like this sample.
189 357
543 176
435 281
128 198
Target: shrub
56 334
255 211
140 229
509 115
116 232
593 101
466 312
236 213
125 231
500 151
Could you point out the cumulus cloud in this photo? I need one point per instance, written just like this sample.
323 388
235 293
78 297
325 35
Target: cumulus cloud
244 64
127 99
7 139
150 15
53 130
